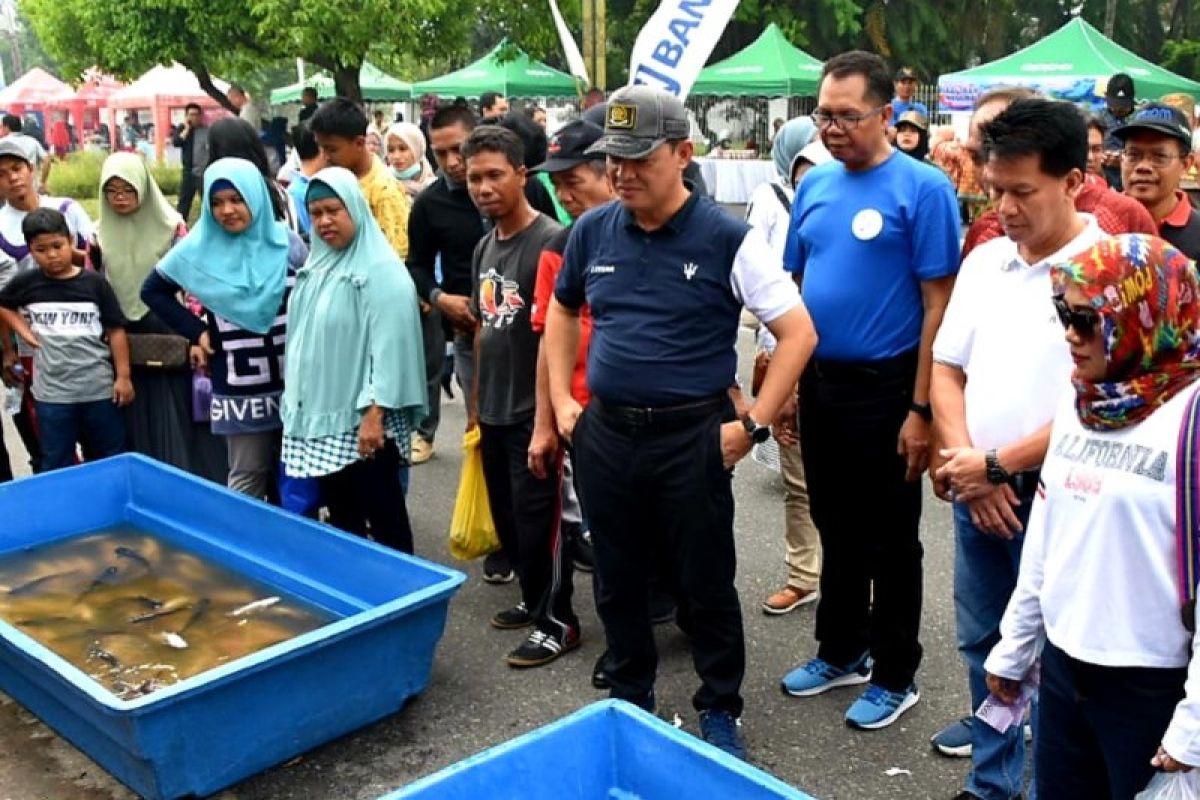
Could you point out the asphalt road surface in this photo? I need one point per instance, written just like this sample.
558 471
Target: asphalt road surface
475 701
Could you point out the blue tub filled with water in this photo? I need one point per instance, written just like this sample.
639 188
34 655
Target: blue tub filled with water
609 750
213 729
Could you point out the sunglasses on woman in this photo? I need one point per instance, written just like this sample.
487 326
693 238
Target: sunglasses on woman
1084 321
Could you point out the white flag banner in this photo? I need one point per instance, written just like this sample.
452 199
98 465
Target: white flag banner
674 43
570 49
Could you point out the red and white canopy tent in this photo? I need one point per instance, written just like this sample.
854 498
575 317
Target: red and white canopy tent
162 90
35 90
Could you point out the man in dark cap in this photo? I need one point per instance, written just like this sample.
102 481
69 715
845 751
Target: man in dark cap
1118 102
906 89
1157 153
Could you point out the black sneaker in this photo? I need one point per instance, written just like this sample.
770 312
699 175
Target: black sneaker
720 729
582 554
600 672
510 619
542 648
496 569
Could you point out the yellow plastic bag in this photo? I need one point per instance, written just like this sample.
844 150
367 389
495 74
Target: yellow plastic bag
472 532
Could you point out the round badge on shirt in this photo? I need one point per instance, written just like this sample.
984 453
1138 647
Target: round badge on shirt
867 224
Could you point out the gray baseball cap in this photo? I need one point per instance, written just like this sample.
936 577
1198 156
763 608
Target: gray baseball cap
639 119
11 147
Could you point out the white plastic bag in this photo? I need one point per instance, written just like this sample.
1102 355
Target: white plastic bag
1172 786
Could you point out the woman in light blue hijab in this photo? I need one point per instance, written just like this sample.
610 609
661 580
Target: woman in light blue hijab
355 365
237 262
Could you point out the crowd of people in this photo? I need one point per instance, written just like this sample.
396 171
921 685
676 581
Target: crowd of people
585 295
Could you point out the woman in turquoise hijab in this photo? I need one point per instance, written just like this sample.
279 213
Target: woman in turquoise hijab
238 262
355 365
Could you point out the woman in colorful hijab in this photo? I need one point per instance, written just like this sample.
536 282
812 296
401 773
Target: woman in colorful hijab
355 366
1105 596
405 146
136 229
238 262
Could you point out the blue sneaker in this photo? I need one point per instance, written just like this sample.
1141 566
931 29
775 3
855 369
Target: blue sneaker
878 707
720 729
954 741
818 675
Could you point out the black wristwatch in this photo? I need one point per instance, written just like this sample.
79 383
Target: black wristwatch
922 410
996 474
757 433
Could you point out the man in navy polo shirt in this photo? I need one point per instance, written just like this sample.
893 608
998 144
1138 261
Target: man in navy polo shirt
875 247
665 273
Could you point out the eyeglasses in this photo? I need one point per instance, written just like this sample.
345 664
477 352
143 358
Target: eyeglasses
845 122
1084 321
1157 159
120 194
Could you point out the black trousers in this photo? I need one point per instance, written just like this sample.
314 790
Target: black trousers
6 473
867 514
189 185
1098 727
368 492
659 494
527 512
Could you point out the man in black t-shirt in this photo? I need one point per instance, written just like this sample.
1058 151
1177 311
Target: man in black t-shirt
524 506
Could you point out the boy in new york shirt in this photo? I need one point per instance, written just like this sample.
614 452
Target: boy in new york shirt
72 320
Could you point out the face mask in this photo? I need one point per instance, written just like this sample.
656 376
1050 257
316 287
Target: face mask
408 174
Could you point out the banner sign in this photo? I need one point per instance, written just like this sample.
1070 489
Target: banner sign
570 49
676 42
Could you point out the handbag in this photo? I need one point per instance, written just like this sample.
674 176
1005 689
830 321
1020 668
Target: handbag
159 351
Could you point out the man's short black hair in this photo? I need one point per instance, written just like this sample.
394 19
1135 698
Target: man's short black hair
340 117
304 142
187 109
871 66
1096 123
1051 129
308 90
494 139
453 115
487 100
534 142
12 122
42 222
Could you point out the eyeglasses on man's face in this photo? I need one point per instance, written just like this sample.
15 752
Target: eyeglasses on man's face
845 122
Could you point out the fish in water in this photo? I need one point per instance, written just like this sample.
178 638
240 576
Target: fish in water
166 609
132 555
197 613
148 602
175 640
104 577
29 587
250 608
98 652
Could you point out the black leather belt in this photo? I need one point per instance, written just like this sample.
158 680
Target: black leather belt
659 418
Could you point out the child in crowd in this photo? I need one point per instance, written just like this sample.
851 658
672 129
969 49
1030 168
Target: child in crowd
72 320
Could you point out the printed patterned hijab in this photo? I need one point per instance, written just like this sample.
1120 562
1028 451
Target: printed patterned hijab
1148 298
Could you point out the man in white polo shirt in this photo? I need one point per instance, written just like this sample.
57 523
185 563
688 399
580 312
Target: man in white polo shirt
1000 362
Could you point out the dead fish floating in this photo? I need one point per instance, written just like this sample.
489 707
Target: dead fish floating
174 640
250 608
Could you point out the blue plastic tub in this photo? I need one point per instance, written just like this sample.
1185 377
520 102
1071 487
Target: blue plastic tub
609 750
219 727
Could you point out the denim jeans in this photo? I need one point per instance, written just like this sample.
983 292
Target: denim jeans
985 575
97 425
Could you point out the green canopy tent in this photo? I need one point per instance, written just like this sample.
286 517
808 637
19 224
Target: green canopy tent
520 76
377 87
771 66
1073 63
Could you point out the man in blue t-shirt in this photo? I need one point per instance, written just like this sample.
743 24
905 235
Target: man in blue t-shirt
874 244
906 89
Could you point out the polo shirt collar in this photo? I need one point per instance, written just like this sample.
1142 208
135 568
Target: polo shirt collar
677 222
1181 215
1091 230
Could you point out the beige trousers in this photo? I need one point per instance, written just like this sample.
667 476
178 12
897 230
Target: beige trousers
800 534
